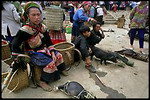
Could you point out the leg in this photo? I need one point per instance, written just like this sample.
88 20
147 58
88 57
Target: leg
101 61
141 39
61 69
75 33
132 35
105 62
89 66
44 85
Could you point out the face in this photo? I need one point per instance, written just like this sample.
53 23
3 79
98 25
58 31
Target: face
35 16
87 34
87 7
97 27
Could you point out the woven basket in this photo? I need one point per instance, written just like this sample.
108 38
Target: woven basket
4 76
54 18
8 61
67 51
5 70
5 50
18 81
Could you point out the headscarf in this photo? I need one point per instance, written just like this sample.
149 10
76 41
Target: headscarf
27 6
30 4
86 3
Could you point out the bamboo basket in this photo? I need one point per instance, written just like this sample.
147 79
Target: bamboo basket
5 50
5 70
4 76
54 18
18 81
67 51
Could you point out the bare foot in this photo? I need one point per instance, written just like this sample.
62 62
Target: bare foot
45 86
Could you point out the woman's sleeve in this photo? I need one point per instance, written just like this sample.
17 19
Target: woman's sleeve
48 41
82 17
15 14
20 37
132 13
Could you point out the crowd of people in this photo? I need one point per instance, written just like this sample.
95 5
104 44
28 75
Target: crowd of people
23 24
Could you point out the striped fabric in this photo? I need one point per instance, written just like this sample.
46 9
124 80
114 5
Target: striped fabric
57 36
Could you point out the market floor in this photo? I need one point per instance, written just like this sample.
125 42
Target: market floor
112 81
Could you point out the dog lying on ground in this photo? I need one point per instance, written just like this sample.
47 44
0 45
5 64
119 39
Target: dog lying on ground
103 55
75 89
133 54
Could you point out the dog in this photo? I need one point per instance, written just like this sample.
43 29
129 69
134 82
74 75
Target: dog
103 55
75 89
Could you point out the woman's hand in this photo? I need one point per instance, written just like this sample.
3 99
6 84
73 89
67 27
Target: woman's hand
53 56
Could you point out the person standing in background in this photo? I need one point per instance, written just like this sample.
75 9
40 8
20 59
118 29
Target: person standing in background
100 14
138 18
57 35
10 21
79 18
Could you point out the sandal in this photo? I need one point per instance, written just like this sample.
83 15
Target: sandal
45 86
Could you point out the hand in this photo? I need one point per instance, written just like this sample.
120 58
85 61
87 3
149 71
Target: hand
92 19
53 56
129 25
87 61
103 35
90 51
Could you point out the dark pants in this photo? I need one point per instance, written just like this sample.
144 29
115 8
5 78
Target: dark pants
141 33
99 19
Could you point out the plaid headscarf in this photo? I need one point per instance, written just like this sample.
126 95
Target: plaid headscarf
30 4
26 7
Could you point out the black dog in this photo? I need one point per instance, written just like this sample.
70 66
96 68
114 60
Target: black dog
103 55
75 90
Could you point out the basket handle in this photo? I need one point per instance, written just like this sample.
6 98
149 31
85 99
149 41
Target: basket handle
70 59
4 84
79 55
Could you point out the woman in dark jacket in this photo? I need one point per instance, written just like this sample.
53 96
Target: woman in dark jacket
35 39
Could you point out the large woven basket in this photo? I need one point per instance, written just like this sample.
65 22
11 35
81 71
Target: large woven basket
5 50
54 18
18 81
67 51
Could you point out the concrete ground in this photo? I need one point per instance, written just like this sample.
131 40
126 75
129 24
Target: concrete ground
115 81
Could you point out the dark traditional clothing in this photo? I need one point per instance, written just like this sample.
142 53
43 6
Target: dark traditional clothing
94 38
36 39
82 45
